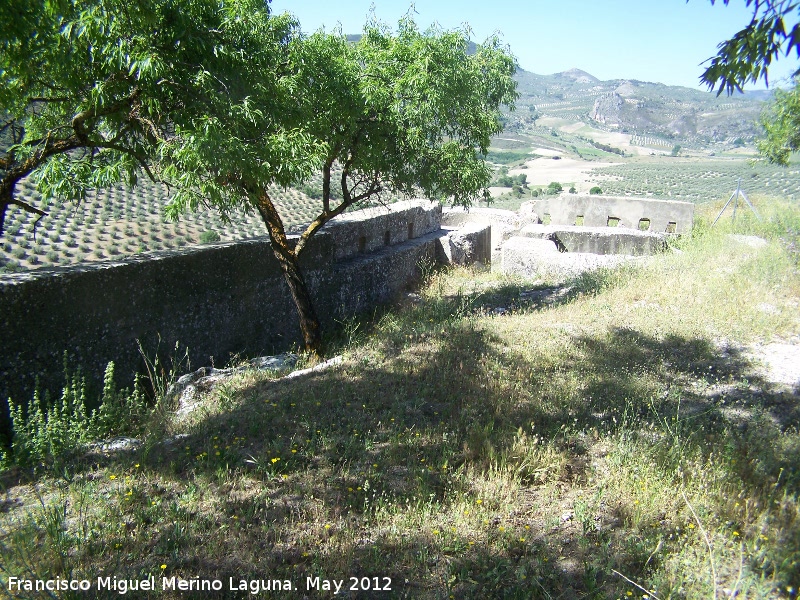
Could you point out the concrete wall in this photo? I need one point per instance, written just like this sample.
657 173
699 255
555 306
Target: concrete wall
665 216
217 300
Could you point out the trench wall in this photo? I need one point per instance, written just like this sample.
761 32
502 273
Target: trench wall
217 300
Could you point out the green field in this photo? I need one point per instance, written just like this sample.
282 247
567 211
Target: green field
698 180
114 223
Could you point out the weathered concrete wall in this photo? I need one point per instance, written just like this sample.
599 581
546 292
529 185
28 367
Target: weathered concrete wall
503 223
599 240
466 245
665 216
218 300
370 229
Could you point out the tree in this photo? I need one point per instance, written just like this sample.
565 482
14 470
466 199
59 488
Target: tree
676 149
222 100
749 53
554 188
90 89
781 122
747 57
408 113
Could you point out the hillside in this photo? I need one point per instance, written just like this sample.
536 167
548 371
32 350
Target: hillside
671 114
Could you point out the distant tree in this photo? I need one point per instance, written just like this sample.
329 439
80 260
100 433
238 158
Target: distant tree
554 188
572 190
595 190
209 237
676 149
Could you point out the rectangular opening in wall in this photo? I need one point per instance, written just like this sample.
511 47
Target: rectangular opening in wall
362 244
546 219
613 221
410 230
387 238
579 220
644 224
672 227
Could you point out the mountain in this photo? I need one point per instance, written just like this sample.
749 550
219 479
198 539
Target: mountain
643 108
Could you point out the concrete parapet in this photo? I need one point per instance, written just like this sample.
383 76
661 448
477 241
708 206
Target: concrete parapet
364 231
599 240
504 224
661 216
457 216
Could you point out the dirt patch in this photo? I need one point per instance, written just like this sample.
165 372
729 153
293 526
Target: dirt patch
541 171
781 362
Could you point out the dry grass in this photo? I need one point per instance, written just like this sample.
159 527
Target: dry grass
618 434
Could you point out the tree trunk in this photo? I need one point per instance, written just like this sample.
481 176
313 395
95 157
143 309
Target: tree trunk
287 258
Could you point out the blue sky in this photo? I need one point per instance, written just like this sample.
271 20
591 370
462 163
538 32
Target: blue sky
649 40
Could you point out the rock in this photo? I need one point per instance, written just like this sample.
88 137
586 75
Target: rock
749 240
189 387
116 444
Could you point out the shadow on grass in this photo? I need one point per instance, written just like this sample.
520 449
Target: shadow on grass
360 471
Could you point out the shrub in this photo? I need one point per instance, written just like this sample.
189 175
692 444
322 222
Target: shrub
554 188
572 190
209 237
596 191
45 434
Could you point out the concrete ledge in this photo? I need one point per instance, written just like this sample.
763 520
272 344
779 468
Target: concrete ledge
599 240
367 230
535 258
457 216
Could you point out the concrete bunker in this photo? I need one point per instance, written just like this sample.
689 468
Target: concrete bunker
571 234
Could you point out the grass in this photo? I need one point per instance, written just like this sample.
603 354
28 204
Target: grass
616 439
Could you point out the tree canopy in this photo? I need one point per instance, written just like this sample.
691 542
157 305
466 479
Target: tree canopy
409 113
221 100
747 55
94 92
781 123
